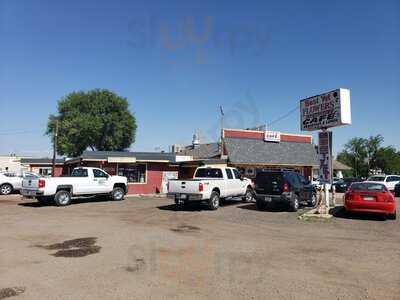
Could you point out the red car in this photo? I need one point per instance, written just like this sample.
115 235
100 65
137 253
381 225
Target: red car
370 197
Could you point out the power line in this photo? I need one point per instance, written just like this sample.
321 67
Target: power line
20 132
284 116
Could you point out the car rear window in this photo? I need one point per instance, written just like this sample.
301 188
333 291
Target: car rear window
208 173
368 186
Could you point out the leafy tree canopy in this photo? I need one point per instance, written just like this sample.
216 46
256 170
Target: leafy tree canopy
364 155
96 119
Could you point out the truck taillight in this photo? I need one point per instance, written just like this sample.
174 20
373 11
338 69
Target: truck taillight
41 183
285 187
201 187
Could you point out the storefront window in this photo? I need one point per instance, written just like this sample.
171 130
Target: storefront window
135 173
45 171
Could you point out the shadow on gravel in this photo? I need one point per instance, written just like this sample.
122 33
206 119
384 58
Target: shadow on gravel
36 204
196 206
341 213
272 208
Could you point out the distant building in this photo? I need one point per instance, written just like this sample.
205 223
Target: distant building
147 172
10 163
43 166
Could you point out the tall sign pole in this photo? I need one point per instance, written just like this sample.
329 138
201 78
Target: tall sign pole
54 150
321 112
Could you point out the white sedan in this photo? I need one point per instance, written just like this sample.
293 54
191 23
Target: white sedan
10 181
389 181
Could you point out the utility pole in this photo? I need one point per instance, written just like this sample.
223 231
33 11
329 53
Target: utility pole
222 131
54 149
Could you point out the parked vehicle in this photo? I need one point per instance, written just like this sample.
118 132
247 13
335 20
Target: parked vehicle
370 197
287 187
343 184
389 181
83 182
211 185
10 181
316 183
397 190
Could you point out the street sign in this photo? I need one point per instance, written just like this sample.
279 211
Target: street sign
325 156
327 110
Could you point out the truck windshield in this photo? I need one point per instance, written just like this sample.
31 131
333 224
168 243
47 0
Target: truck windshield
208 173
79 173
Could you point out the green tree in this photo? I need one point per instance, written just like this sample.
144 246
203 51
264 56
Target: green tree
96 119
372 145
388 160
355 154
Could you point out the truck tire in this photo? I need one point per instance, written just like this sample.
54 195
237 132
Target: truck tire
213 203
261 205
392 216
62 198
6 189
313 201
294 203
249 196
117 194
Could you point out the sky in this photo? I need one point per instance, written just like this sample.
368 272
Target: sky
177 61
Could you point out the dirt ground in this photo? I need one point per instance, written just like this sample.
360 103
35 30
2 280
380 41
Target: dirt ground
143 248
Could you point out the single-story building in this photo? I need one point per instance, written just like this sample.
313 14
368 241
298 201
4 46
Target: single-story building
43 166
252 150
147 172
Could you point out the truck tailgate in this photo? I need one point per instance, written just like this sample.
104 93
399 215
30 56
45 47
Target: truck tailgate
30 183
184 186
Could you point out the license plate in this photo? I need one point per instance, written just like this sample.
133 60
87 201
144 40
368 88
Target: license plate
268 199
368 198
29 193
183 196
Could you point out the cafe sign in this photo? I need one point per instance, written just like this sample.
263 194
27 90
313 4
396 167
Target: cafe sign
327 110
272 136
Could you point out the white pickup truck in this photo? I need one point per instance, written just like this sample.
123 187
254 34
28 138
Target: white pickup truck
211 184
83 182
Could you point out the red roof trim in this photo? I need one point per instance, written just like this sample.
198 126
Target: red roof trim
251 134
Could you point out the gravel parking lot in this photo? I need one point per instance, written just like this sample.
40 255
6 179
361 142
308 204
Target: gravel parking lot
143 248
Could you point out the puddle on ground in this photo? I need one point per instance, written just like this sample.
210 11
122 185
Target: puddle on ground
139 264
185 228
74 248
11 292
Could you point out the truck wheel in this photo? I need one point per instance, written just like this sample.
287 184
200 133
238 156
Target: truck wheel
294 203
117 194
6 189
313 201
214 201
62 198
392 216
249 196
261 205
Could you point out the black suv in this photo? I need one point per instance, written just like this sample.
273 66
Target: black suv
285 187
